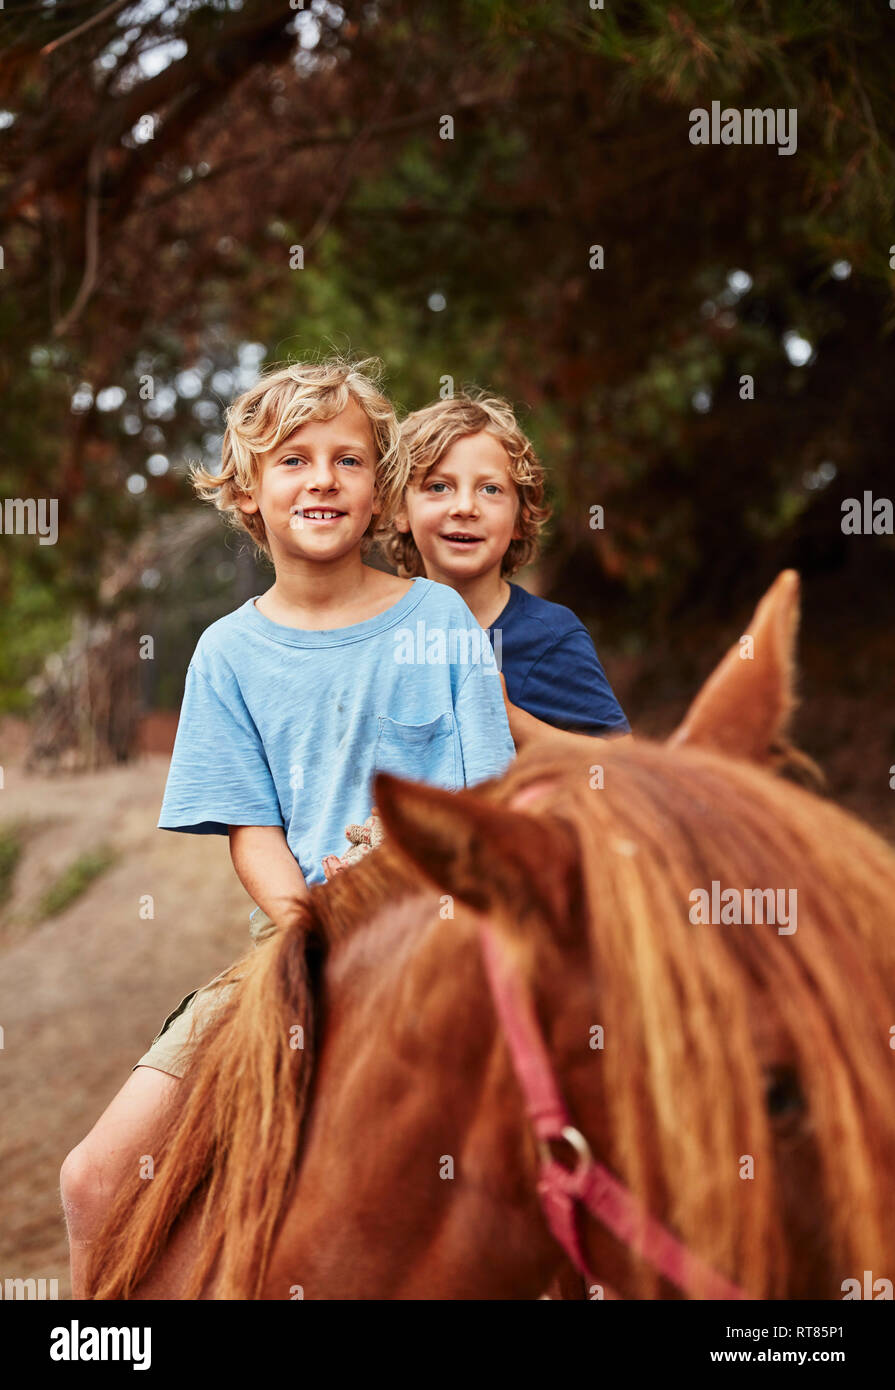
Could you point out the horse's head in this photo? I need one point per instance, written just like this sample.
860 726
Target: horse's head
709 952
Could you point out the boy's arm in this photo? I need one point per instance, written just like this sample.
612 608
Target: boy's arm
269 872
525 726
566 690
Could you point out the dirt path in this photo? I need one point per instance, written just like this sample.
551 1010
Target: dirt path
83 994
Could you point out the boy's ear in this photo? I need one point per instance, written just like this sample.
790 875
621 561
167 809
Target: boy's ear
401 522
246 503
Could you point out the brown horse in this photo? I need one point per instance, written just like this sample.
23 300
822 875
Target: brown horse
741 1086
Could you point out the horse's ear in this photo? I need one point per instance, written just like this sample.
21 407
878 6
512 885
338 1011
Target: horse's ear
744 708
482 853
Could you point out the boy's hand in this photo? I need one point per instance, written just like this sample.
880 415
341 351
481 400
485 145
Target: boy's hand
515 716
332 865
363 838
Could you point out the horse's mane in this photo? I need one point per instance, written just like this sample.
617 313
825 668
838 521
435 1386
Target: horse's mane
234 1125
678 1004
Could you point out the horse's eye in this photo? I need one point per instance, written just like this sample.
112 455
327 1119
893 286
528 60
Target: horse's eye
783 1095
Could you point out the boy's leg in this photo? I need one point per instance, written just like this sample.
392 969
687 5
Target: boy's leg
130 1126
93 1171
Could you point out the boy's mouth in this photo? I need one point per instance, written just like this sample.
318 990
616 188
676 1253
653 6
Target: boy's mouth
461 538
317 515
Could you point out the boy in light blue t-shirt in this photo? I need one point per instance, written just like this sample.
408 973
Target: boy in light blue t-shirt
296 699
251 751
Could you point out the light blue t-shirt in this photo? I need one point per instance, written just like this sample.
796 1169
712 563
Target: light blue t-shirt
286 726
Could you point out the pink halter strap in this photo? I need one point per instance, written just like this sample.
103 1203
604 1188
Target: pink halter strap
561 1189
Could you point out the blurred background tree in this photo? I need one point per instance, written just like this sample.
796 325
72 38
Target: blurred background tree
447 171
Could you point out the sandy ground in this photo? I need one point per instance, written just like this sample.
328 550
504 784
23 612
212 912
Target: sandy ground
83 994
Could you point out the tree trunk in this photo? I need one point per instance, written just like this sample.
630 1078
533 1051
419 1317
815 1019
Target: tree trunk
87 699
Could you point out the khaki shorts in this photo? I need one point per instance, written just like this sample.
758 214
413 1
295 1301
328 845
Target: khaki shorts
171 1048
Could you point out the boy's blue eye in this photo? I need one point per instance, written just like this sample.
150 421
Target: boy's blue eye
349 458
433 486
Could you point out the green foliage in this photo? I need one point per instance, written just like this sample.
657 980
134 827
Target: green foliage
75 880
571 129
11 841
33 623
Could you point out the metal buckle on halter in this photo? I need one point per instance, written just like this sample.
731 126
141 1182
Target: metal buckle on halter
576 1140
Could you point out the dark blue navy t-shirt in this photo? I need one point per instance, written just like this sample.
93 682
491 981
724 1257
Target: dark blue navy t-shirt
551 666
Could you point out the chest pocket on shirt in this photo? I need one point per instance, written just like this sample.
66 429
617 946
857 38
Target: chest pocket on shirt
421 752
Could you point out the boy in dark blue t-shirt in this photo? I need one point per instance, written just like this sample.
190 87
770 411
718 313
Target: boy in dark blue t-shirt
472 509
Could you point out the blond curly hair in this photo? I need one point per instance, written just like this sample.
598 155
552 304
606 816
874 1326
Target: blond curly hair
427 435
281 401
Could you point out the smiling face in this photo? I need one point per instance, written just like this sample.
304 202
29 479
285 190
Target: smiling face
463 512
316 493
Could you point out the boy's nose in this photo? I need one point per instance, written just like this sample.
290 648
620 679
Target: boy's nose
322 479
